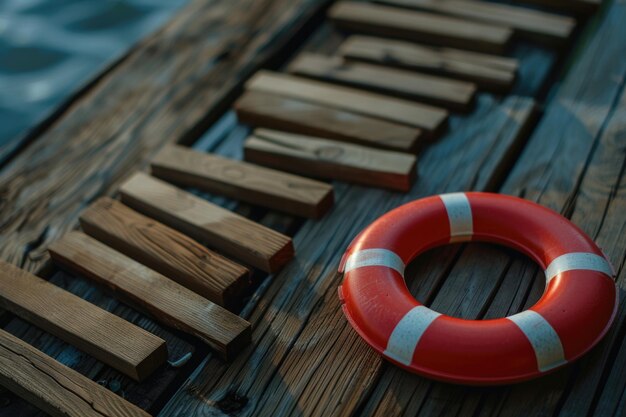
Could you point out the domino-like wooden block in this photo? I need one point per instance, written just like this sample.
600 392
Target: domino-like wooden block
242 181
167 251
166 300
489 72
419 26
261 109
432 120
53 387
112 340
221 229
438 91
324 158
535 25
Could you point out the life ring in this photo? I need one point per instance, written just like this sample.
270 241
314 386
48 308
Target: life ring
575 311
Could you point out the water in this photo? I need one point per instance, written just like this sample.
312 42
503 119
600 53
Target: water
50 48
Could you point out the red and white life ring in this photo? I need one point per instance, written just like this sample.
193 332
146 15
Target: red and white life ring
575 311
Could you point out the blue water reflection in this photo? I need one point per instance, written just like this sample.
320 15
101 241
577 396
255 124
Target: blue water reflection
50 48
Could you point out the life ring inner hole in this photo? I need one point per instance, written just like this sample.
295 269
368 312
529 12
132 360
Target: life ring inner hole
509 282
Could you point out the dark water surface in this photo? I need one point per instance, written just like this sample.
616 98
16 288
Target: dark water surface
50 48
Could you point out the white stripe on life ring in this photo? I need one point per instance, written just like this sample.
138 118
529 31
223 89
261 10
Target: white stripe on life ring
408 332
543 338
459 216
578 260
374 257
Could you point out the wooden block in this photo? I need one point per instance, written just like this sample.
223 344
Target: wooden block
452 94
166 300
272 111
242 181
105 336
323 158
431 120
490 72
221 229
531 24
420 27
167 251
53 387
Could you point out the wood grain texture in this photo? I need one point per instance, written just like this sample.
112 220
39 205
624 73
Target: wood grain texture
221 229
116 342
322 158
170 88
56 389
438 91
242 181
167 251
431 120
260 109
489 72
167 301
574 157
306 359
420 26
535 25
152 394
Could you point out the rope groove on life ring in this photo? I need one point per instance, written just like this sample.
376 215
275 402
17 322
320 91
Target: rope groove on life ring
575 311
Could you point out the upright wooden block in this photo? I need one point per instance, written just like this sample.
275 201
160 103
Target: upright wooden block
420 26
167 251
331 159
221 229
242 181
531 24
53 387
168 301
431 120
439 91
490 72
105 336
272 111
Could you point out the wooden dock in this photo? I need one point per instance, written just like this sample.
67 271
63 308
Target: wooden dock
556 136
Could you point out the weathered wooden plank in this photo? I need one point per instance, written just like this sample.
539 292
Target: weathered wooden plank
55 388
170 88
166 300
490 72
222 229
596 204
272 111
246 182
438 91
431 120
322 158
167 251
279 338
565 151
535 25
420 27
121 345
